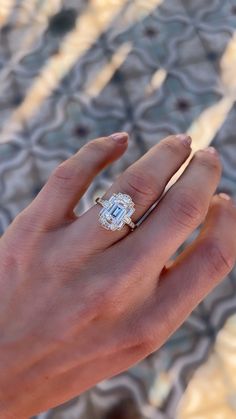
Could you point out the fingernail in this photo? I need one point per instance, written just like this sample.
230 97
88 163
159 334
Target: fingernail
184 138
120 137
211 150
225 196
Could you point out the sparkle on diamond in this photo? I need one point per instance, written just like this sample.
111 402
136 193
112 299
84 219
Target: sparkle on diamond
118 210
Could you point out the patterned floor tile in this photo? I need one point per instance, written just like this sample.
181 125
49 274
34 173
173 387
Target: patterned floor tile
205 401
179 63
159 43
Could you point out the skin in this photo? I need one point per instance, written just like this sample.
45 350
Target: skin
79 303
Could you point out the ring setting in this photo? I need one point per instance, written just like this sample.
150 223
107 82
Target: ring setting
116 212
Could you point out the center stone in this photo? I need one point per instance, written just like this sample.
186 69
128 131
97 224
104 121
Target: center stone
118 209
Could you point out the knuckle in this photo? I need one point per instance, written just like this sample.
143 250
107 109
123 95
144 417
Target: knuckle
103 303
27 221
141 186
21 220
186 209
142 338
94 309
113 302
64 174
147 344
20 225
95 147
219 257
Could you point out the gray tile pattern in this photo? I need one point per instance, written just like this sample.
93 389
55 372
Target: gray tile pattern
185 37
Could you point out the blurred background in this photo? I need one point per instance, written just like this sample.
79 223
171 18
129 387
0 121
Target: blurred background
73 70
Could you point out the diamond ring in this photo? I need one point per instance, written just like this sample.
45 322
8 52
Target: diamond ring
116 212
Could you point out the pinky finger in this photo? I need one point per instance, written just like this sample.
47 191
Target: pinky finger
196 272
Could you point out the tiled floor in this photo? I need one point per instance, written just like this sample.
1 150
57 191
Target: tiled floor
73 70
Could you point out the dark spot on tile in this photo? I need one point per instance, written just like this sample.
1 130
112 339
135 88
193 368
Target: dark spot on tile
81 131
5 29
63 22
17 100
56 51
212 56
9 149
117 77
233 10
151 32
36 190
126 409
183 105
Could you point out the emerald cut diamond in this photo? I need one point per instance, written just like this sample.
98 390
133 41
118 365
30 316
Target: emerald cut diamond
117 212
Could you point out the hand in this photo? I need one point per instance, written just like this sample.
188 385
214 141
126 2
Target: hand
80 303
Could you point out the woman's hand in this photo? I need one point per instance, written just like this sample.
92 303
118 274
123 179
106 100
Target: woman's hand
80 303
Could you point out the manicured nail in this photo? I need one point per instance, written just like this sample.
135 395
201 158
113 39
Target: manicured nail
228 198
184 138
120 137
225 196
211 150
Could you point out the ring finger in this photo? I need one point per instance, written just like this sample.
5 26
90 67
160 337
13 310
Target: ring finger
144 182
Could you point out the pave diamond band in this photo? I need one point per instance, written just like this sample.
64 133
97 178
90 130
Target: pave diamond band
116 212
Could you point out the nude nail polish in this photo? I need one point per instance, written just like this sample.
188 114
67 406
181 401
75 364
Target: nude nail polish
225 196
184 138
120 137
211 150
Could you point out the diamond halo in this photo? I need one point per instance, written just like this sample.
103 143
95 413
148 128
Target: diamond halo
116 212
